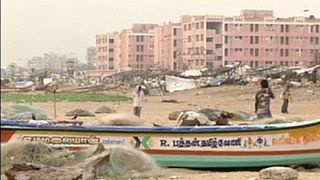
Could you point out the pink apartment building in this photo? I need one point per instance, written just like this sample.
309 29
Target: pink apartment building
256 38
202 41
168 46
259 39
108 53
137 47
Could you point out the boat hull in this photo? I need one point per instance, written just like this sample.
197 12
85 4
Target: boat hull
200 147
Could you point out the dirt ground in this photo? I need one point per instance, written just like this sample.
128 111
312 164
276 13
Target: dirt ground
305 106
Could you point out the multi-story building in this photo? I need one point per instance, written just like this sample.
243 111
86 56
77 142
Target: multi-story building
168 46
108 53
256 38
259 39
137 47
91 56
202 41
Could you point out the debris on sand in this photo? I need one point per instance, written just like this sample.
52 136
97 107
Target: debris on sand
80 113
175 114
104 110
278 173
113 161
169 101
120 119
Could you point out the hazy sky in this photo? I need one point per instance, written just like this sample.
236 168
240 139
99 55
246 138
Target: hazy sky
33 27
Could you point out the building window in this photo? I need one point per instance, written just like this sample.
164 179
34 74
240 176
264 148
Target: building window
251 39
197 62
174 31
238 37
141 58
197 37
175 54
141 48
226 39
175 43
282 28
251 27
185 27
202 25
98 41
287 28
287 40
111 41
138 48
209 52
110 50
257 39
189 38
311 40
281 52
269 27
257 28
226 52
256 52
138 38
287 52
316 40
317 28
197 25
202 37
251 51
226 27
197 50
281 40
189 27
111 59
209 39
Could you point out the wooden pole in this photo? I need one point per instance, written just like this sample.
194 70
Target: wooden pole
54 104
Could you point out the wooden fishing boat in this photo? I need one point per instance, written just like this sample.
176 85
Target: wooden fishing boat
201 147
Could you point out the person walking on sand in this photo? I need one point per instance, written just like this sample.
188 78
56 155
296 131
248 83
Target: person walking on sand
286 96
262 104
138 97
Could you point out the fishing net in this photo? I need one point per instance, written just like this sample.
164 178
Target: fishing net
129 162
105 110
22 112
80 112
121 120
39 153
123 161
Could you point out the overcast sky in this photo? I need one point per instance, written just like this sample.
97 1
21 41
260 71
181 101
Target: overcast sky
33 27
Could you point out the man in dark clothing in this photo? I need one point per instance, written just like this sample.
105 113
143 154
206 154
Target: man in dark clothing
262 104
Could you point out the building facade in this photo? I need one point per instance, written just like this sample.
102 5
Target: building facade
137 47
91 56
168 46
255 37
259 39
108 53
202 41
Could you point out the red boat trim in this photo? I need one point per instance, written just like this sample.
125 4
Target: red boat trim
6 135
230 153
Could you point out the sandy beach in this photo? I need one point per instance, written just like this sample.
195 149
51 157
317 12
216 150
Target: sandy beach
305 106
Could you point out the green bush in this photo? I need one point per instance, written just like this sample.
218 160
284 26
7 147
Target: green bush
60 97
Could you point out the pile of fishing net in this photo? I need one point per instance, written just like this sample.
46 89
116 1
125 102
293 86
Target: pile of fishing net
40 161
120 119
20 112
